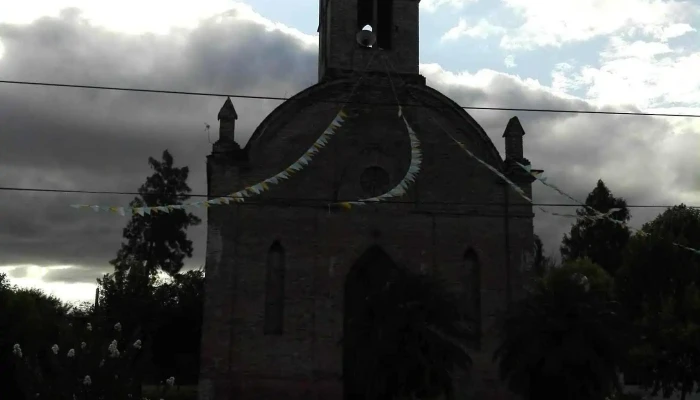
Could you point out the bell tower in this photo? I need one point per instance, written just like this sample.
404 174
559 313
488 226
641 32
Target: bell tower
390 27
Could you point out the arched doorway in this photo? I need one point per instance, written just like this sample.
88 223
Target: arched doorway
363 305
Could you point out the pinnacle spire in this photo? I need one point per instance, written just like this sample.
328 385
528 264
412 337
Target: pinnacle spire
228 111
514 128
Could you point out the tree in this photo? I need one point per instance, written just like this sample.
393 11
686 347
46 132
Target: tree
153 242
601 240
31 319
415 341
658 284
181 308
158 241
541 263
565 340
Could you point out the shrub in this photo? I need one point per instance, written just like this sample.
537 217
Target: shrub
100 367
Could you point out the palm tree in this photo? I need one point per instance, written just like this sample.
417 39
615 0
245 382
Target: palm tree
566 339
416 338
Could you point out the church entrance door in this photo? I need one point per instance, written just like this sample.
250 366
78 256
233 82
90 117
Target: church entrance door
364 309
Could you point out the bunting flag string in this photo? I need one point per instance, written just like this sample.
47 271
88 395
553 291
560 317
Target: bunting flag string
597 215
241 195
410 177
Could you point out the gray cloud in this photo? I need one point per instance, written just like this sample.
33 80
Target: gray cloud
18 272
75 275
100 140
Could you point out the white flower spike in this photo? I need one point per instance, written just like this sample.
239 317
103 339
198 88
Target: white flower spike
17 350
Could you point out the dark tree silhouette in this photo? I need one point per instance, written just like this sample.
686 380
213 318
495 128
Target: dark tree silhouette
153 242
541 263
602 241
565 340
404 334
158 241
659 285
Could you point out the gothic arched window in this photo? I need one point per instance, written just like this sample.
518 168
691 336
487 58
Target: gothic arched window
472 283
274 290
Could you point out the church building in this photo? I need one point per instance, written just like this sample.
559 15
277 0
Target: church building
279 264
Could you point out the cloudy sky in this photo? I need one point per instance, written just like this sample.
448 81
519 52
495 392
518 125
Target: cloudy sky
629 55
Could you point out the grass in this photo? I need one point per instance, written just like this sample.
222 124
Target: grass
182 393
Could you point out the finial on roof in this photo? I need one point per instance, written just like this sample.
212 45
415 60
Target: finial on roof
514 128
228 111
514 139
227 122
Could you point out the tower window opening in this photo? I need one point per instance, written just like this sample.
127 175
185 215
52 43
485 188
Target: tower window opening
365 13
385 22
378 15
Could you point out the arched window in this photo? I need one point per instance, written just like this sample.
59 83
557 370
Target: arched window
379 15
472 283
274 290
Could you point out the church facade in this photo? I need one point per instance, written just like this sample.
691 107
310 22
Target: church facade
277 266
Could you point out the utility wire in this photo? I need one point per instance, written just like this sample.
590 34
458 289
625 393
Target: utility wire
288 200
319 100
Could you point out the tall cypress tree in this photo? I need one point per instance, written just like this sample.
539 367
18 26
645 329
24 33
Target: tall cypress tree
158 241
153 242
602 241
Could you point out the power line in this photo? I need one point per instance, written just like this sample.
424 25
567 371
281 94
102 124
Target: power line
252 97
288 200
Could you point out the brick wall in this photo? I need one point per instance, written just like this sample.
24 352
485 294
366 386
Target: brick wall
321 245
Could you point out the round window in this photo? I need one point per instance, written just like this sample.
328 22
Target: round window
374 181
